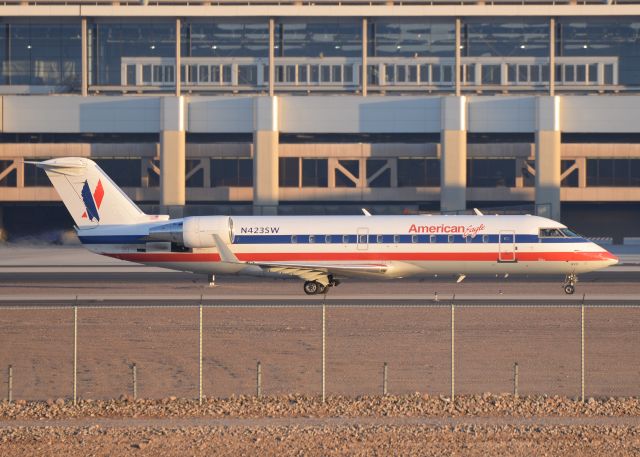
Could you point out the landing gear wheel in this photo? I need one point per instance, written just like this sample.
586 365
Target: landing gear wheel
313 287
569 285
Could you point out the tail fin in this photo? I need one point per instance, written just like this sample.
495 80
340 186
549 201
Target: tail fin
90 195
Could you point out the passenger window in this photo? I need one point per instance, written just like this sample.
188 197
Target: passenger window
550 233
294 239
451 238
345 239
396 239
485 238
312 238
380 239
362 239
414 238
432 239
327 239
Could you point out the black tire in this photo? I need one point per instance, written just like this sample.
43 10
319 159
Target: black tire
311 287
569 289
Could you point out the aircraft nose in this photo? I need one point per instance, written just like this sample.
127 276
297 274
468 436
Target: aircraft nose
610 258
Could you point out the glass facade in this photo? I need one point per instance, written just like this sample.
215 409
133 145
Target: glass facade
411 39
491 172
113 41
336 38
124 172
418 172
613 172
225 39
590 53
603 37
231 172
39 54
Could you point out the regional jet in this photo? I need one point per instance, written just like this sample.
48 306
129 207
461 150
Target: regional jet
319 250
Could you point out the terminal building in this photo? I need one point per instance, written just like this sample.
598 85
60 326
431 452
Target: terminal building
327 106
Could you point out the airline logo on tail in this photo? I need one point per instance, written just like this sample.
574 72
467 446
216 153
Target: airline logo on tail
92 201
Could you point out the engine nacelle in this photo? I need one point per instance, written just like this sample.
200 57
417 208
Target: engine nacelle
194 232
198 231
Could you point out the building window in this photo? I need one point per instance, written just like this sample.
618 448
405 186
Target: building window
194 173
418 172
335 38
571 180
124 172
378 173
40 55
605 37
343 179
397 38
225 39
289 171
35 176
491 172
613 172
10 179
314 172
231 172
505 38
114 41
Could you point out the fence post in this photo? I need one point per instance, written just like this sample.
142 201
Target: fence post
259 379
324 348
10 384
200 357
582 350
515 379
453 352
75 352
134 375
384 379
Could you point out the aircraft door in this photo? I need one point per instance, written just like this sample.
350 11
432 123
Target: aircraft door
507 246
363 238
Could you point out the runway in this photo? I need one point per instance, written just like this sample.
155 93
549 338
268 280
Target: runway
46 276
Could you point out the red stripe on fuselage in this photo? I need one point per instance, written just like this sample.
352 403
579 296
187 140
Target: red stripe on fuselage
267 257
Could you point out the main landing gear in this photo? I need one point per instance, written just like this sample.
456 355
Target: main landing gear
569 285
315 287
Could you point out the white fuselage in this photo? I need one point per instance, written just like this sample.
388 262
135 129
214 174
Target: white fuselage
404 245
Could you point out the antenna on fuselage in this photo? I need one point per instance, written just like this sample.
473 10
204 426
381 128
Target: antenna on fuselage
365 212
478 212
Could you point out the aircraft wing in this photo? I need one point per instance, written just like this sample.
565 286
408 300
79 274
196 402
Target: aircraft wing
308 271
319 272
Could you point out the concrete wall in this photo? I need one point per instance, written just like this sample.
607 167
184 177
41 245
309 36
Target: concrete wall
265 118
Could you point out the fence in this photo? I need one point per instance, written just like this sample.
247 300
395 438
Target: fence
440 349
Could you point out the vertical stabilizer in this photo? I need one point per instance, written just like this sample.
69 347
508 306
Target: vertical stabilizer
90 196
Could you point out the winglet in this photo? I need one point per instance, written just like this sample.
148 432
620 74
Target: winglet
225 253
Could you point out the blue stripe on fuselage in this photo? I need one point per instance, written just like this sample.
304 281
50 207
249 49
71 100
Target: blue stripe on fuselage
346 239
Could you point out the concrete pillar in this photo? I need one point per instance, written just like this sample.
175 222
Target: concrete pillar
548 147
265 156
172 154
453 160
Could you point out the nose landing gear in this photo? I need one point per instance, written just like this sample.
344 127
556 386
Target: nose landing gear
569 285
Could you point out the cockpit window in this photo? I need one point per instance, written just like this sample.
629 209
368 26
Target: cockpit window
569 233
550 233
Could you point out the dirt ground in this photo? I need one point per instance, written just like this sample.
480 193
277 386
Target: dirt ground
391 425
415 342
